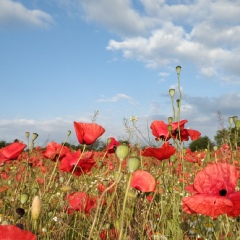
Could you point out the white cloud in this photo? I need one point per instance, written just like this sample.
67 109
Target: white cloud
16 14
163 33
117 98
118 16
200 112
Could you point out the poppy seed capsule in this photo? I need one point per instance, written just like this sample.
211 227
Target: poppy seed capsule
122 152
237 123
171 92
36 207
34 136
133 164
178 69
24 197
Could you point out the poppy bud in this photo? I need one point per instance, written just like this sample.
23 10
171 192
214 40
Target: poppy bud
215 148
169 128
122 152
230 119
24 197
237 123
27 134
170 119
36 207
235 118
178 69
69 133
171 92
178 103
34 136
133 164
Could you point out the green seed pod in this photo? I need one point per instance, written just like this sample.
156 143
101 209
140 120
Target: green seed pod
237 123
133 164
24 197
122 152
171 92
34 190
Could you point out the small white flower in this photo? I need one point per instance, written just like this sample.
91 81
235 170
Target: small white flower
133 118
55 219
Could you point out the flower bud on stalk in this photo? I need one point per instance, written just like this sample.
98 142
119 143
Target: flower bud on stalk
122 152
34 136
171 92
133 164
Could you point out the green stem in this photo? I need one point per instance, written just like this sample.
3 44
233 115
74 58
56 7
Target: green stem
99 205
124 208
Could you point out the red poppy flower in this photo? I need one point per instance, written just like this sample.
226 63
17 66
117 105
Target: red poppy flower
214 192
11 232
69 161
164 152
143 181
53 150
80 201
159 130
88 133
12 151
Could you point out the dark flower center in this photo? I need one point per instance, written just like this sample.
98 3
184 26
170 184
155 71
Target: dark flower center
223 192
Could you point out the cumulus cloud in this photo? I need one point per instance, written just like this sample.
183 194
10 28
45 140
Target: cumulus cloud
163 33
17 15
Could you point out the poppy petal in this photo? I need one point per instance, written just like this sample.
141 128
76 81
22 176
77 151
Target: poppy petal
216 177
11 232
235 199
159 129
13 150
205 204
88 133
143 181
164 152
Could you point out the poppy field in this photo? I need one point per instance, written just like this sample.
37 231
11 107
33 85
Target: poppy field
161 191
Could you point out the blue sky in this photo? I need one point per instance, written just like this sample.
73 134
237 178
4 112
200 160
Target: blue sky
62 60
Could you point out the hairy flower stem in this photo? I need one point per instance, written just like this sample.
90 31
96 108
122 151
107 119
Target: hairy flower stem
99 205
124 207
174 111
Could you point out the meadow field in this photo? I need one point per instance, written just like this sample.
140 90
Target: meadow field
124 191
